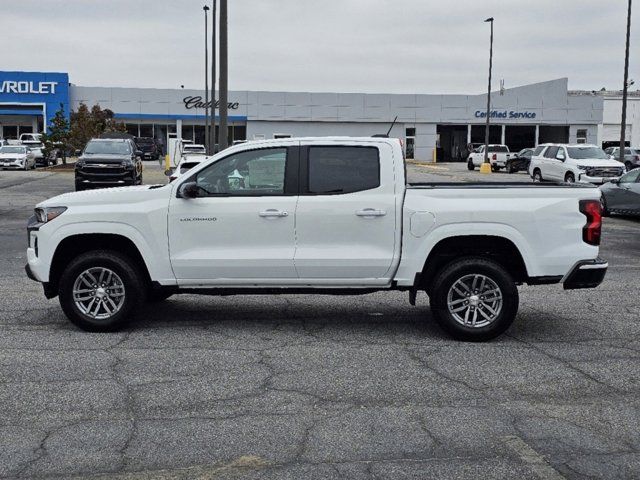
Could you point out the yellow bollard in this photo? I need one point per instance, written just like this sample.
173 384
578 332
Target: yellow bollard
485 167
167 162
435 155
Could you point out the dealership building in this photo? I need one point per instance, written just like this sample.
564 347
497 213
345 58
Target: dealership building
520 117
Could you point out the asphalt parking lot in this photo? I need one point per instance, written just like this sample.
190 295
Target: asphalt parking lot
312 387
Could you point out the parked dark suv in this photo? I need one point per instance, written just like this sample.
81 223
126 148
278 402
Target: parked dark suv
149 147
109 163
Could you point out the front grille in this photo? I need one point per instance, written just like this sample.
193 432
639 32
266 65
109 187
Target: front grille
102 169
605 171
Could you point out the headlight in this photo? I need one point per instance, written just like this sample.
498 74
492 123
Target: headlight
127 164
582 167
46 214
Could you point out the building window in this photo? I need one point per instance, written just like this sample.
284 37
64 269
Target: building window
132 129
146 130
410 142
281 135
582 135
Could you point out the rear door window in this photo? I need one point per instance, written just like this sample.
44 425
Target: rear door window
340 169
551 152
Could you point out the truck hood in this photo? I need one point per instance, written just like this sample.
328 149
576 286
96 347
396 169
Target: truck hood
106 196
598 162
12 155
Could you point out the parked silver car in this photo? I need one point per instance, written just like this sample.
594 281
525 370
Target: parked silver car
631 156
622 195
17 157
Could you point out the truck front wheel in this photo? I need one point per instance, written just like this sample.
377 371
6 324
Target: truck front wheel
474 299
470 165
100 290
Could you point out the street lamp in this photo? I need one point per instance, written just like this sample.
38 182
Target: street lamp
206 81
486 166
625 88
212 135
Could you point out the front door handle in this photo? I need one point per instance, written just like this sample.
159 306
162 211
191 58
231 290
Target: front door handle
370 212
272 212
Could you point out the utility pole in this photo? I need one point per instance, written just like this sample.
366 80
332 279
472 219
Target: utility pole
212 135
224 93
206 81
625 87
486 167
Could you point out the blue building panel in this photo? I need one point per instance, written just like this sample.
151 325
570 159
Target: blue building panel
28 93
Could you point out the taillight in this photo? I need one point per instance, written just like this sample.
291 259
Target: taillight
495 156
591 232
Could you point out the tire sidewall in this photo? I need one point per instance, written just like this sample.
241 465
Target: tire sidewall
119 264
474 265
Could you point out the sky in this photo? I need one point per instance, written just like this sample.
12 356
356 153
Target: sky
386 46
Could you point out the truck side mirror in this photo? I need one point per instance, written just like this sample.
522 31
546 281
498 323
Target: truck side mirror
188 190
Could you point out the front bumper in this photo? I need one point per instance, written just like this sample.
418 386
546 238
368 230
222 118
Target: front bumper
586 274
112 177
17 164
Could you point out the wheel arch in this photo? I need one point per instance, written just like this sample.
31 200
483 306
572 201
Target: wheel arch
498 248
77 244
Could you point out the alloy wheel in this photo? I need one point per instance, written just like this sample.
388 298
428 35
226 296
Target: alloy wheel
474 301
98 293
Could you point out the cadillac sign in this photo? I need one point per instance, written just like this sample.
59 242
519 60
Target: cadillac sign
197 102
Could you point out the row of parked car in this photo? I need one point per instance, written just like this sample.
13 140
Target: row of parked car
23 154
569 163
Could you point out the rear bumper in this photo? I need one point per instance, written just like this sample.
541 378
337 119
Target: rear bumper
586 274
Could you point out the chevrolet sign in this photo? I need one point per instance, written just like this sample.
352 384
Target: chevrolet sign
13 86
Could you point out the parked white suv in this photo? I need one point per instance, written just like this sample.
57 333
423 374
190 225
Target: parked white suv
573 163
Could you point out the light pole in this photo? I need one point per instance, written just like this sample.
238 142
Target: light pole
486 166
212 135
625 87
223 138
206 81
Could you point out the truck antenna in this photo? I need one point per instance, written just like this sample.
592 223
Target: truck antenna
386 135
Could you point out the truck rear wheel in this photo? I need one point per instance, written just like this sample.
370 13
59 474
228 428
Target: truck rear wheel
470 165
101 290
474 299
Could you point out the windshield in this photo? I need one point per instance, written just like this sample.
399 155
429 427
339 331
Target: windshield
13 150
144 140
113 148
498 148
581 153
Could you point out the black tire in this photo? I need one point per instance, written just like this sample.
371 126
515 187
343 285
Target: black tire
470 165
126 271
569 178
537 176
466 268
628 166
510 167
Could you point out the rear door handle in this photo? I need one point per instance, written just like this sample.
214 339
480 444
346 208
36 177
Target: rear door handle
272 212
370 212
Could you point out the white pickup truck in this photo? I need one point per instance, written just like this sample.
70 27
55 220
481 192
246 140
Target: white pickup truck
315 215
498 157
